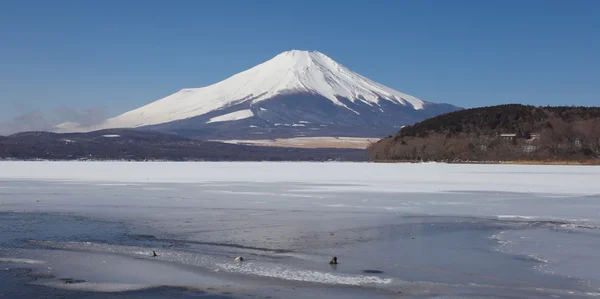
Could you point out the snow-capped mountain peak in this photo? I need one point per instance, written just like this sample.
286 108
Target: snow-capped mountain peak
312 71
309 81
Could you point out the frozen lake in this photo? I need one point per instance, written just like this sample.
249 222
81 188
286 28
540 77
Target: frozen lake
398 230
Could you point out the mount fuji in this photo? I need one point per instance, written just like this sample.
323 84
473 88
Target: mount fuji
295 94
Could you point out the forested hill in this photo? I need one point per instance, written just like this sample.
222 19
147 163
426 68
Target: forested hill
500 119
505 132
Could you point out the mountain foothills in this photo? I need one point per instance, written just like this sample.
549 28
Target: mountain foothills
498 133
295 94
126 144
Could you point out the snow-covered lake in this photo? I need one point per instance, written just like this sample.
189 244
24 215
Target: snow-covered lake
415 230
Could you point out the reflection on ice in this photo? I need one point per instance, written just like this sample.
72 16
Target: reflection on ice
21 261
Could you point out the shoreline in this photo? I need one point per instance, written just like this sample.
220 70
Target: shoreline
516 162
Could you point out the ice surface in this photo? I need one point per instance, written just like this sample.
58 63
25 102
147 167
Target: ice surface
332 177
419 229
558 250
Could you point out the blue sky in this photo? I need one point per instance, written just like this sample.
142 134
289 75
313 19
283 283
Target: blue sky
119 55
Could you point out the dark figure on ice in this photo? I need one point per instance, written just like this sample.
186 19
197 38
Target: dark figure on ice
333 261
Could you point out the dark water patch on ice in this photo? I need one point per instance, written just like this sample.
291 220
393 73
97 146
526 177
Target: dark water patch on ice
24 283
228 245
372 271
17 228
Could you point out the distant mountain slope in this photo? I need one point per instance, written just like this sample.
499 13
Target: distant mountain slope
126 144
505 132
295 94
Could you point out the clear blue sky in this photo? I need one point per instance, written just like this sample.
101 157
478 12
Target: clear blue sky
119 55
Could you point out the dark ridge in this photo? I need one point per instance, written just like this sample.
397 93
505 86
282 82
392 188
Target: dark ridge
139 145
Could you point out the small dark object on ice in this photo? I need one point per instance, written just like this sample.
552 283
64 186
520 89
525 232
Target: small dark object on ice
71 281
239 259
413 238
154 253
333 261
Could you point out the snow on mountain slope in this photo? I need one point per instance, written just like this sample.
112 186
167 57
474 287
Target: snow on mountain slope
237 115
289 72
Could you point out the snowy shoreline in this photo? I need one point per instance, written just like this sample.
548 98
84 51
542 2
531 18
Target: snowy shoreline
523 163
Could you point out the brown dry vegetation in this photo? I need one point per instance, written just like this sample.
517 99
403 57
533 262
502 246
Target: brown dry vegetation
566 134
